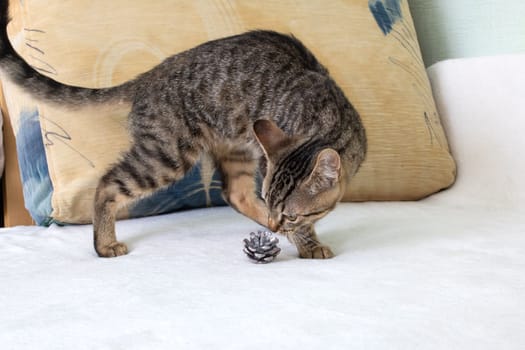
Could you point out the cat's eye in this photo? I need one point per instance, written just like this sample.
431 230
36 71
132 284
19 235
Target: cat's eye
291 217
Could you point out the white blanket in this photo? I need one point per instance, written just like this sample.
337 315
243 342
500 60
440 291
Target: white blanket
443 273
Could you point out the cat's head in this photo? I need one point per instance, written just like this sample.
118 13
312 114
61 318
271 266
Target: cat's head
303 180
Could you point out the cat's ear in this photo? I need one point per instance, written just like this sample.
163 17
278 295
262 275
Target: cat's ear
270 137
326 172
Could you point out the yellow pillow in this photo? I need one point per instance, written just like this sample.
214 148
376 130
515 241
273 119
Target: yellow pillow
369 47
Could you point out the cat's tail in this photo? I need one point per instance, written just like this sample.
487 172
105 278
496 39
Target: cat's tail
14 68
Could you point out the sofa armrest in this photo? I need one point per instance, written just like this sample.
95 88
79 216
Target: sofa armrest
15 212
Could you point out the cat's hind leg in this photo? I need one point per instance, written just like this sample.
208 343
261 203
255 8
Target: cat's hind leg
111 194
147 167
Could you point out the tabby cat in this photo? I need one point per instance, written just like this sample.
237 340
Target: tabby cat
254 100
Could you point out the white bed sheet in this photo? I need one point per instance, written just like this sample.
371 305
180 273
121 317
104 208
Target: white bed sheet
443 273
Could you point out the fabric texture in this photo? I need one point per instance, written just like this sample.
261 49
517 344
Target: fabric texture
484 94
445 272
370 48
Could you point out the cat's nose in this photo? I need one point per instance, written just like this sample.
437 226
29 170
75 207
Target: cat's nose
273 225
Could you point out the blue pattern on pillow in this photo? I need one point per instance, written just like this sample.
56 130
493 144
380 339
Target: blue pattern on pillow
193 191
36 183
189 193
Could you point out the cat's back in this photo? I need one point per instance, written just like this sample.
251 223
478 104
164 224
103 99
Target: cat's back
270 44
230 82
255 50
261 57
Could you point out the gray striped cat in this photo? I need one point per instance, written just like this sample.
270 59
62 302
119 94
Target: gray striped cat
258 100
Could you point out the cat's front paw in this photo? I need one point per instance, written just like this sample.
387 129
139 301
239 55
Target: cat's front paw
112 250
317 252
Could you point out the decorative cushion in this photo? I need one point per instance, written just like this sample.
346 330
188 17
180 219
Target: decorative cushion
370 48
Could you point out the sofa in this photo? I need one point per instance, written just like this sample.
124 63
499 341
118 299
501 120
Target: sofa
442 272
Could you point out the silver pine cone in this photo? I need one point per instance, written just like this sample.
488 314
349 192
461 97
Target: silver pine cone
261 247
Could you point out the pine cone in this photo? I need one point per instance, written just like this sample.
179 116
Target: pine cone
262 247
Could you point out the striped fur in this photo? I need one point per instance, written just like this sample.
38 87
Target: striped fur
259 99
